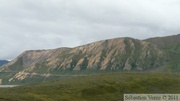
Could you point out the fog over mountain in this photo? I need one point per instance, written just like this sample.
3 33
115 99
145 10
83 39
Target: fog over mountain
47 24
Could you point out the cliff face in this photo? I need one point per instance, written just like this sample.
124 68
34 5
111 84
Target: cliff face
113 54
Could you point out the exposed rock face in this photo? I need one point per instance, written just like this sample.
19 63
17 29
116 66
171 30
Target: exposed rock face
113 54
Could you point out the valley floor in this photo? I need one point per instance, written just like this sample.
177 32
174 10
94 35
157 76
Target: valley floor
100 87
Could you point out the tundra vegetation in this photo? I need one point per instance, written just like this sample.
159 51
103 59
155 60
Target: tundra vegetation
98 87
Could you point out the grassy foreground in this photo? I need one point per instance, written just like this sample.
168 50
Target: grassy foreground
100 87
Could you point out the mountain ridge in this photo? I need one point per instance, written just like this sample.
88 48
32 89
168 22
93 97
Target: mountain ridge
117 54
2 62
99 46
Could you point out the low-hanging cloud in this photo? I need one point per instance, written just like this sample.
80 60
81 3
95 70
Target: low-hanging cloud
44 24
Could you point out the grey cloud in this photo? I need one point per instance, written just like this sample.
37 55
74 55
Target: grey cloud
43 24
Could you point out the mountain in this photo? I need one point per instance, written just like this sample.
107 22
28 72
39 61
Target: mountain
112 54
2 62
118 54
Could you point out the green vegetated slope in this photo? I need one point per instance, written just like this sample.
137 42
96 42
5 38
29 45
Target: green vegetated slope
30 79
170 45
100 87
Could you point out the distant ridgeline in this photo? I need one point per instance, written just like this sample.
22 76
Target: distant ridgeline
2 62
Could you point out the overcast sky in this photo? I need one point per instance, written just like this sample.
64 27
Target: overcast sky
46 24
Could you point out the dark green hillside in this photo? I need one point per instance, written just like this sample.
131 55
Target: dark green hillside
100 87
171 45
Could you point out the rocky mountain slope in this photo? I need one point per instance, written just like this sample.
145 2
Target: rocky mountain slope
111 55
